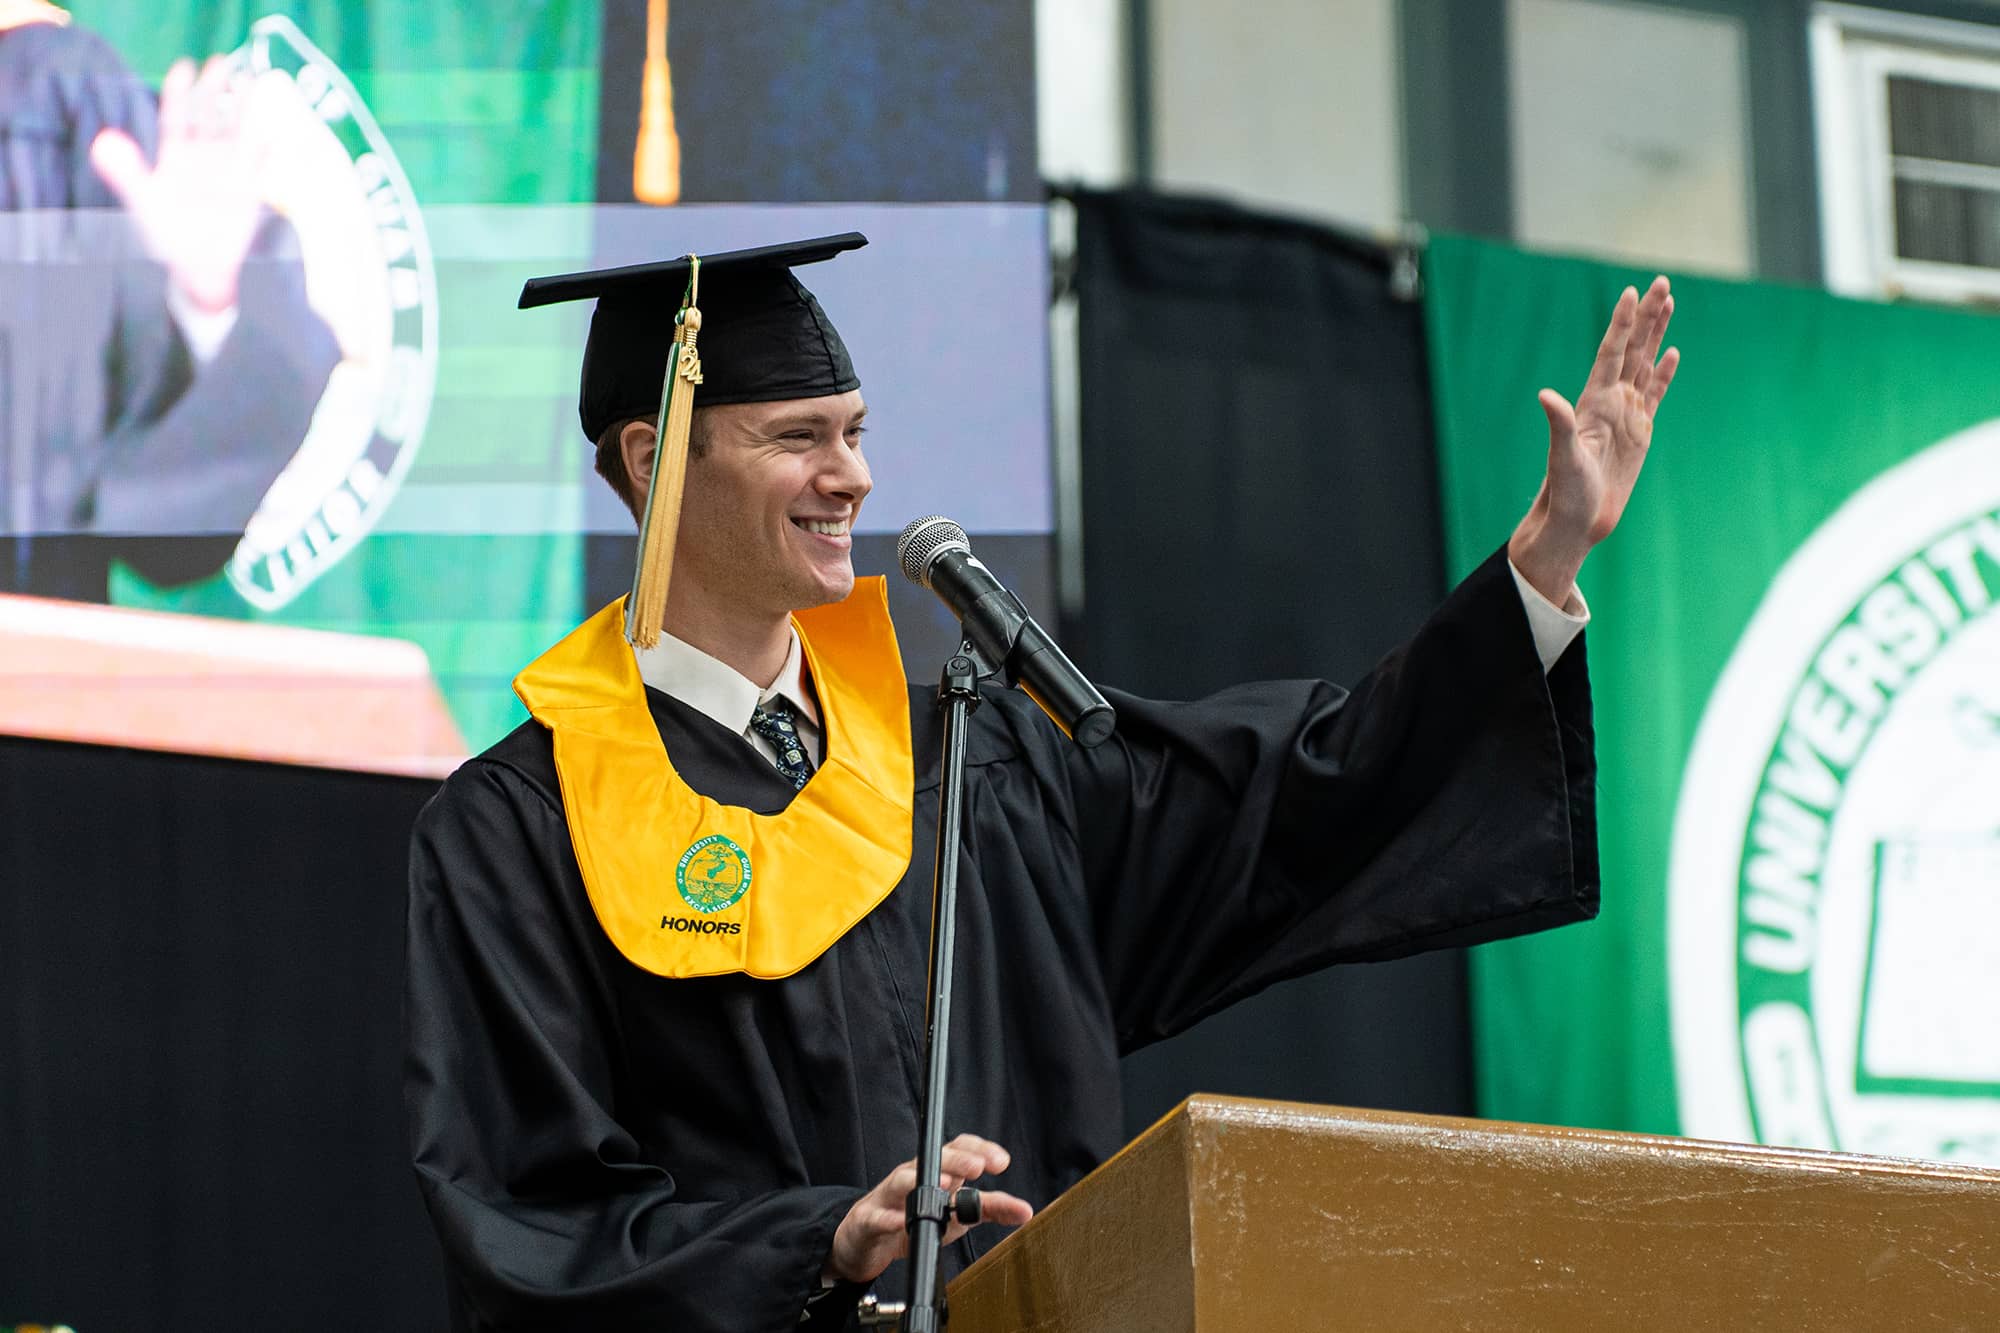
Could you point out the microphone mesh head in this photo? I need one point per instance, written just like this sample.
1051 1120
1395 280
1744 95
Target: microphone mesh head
923 541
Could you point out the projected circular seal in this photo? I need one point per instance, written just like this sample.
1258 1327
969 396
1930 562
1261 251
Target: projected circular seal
370 275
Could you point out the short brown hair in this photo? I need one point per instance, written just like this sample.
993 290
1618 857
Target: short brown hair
611 456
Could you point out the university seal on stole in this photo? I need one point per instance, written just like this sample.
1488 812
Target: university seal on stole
713 874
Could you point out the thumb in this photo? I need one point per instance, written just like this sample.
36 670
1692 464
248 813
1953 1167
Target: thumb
120 163
1562 417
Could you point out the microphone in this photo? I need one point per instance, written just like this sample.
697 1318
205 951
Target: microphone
934 554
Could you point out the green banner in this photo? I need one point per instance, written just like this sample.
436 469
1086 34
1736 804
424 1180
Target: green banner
1797 689
484 104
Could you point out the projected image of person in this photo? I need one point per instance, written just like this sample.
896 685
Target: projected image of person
159 361
667 941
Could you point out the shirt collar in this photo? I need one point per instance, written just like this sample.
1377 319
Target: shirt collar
719 691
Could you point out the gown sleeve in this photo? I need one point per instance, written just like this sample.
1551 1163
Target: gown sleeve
1275 829
194 451
550 1212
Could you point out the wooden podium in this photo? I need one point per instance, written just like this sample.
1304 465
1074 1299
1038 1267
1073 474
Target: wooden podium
1239 1215
152 680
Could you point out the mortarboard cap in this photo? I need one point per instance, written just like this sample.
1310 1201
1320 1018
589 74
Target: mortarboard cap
763 336
735 327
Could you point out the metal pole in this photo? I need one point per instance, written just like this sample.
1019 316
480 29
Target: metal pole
929 1208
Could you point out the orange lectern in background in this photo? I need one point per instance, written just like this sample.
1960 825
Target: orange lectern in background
74 672
1235 1215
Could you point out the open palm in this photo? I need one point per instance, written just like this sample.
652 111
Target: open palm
1597 447
197 207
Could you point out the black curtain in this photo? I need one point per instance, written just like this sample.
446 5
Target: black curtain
1259 501
200 1046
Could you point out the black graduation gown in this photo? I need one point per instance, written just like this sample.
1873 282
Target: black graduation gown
602 1148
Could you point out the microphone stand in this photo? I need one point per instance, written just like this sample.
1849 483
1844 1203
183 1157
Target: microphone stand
930 1210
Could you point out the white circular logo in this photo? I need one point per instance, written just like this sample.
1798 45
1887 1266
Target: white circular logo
370 274
1834 892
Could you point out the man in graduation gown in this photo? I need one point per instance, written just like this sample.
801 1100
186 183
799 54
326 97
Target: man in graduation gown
667 940
159 362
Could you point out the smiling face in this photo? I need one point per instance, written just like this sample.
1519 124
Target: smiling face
768 515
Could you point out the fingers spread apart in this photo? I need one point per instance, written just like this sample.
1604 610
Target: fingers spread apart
1630 350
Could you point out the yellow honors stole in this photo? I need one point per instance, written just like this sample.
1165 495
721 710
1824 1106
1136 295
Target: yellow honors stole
689 887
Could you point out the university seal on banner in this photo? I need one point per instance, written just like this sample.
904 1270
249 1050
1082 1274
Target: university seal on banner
370 275
713 874
1834 893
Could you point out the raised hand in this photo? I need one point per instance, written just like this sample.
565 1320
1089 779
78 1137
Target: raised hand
873 1232
1597 447
197 208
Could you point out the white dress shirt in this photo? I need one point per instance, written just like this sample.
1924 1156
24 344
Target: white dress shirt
1554 627
727 696
203 331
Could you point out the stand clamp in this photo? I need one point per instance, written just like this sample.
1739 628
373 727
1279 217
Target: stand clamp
874 1312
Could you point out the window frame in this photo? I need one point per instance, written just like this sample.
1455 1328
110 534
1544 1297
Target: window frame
1853 52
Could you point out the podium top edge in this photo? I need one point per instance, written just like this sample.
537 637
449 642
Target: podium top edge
1207 1112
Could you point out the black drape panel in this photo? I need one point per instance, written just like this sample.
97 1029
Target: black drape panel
1260 500
200 1046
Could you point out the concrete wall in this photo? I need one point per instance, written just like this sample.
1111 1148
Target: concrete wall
1293 105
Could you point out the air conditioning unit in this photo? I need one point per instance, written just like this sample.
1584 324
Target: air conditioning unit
1907 115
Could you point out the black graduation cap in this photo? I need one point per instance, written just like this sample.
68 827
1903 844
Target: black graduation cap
763 335
736 327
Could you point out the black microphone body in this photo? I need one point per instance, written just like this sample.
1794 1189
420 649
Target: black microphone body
1001 629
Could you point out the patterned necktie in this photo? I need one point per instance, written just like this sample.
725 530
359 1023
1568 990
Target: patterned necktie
773 722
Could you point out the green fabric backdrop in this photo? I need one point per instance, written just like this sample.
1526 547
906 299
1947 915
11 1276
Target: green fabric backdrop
1788 400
